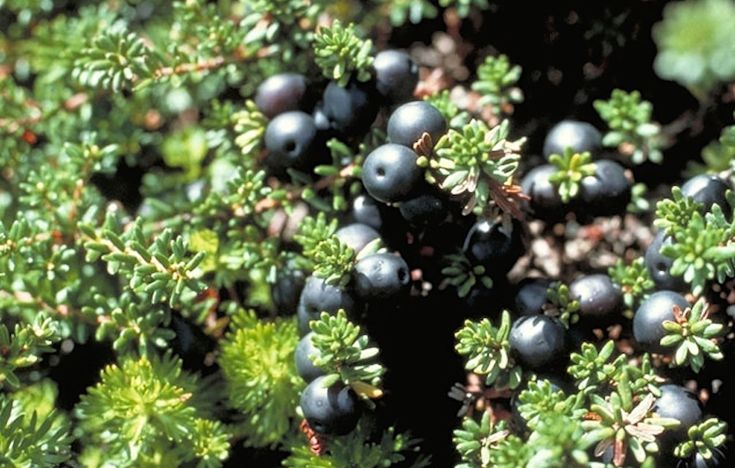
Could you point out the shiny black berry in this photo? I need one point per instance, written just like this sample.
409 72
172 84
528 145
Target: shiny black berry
537 341
287 290
292 142
350 109
599 299
493 245
707 190
396 75
607 192
390 173
281 93
366 210
334 410
650 316
679 403
545 203
356 236
659 265
305 367
381 276
580 136
411 120
531 296
427 209
317 297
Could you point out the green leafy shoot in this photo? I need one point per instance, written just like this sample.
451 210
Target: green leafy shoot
562 305
704 439
624 425
487 351
496 79
591 369
249 125
639 204
718 156
341 54
456 117
346 354
327 255
477 164
631 129
571 167
475 440
693 334
463 275
673 214
633 280
540 400
24 346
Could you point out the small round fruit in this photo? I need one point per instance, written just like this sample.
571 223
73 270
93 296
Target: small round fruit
659 265
531 296
356 236
366 210
537 340
424 210
291 140
545 203
317 297
650 316
679 403
287 290
350 109
334 410
390 173
396 75
381 276
598 297
707 190
305 367
494 246
580 136
411 120
607 192
280 93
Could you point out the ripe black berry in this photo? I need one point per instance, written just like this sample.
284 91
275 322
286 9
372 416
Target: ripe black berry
411 120
580 136
679 403
381 276
390 173
280 93
598 297
537 341
291 140
304 364
366 210
424 210
545 203
356 236
651 314
352 108
396 75
493 245
334 410
287 290
317 297
707 190
607 192
531 296
659 265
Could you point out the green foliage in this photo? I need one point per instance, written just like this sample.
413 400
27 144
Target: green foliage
703 439
257 360
327 255
249 125
631 129
487 350
340 53
346 354
464 7
496 79
558 442
696 44
455 117
563 305
401 11
474 440
571 167
146 411
24 346
539 401
463 275
476 163
693 333
29 439
675 212
638 202
633 280
718 156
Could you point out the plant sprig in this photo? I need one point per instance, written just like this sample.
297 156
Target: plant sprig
692 333
496 79
328 256
704 439
462 274
633 280
562 304
341 54
571 168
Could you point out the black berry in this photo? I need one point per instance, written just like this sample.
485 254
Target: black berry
598 297
366 210
424 210
317 297
291 140
381 276
334 410
650 316
531 296
390 173
679 403
287 290
280 93
607 192
659 265
493 245
545 203
352 108
537 341
356 236
580 136
304 364
396 75
411 120
707 190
